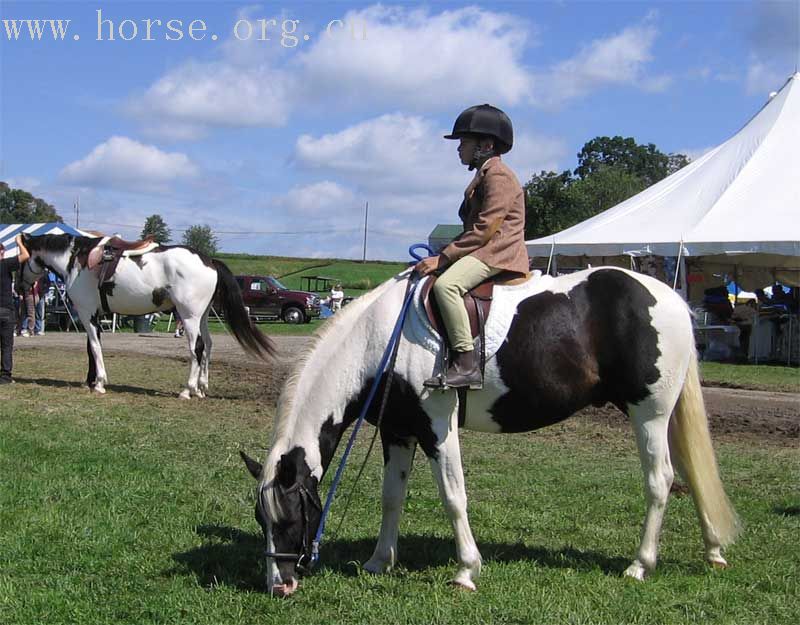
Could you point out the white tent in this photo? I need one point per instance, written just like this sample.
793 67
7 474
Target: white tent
739 202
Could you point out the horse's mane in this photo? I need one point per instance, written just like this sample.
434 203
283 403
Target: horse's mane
58 242
283 424
286 417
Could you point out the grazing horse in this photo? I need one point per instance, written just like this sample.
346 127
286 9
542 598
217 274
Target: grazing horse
156 281
554 346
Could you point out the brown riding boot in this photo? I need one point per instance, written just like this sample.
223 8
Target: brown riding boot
464 370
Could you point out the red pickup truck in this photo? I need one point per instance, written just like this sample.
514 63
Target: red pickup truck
267 299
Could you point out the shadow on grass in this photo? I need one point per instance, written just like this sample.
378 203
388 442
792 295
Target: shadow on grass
114 388
233 557
787 510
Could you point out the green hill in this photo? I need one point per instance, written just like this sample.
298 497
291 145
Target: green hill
356 277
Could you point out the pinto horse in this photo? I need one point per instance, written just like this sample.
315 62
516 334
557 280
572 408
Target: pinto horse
554 346
156 281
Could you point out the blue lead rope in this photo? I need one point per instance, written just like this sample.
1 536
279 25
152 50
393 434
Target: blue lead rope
393 342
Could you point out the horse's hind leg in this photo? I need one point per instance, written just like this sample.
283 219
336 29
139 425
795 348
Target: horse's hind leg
449 474
396 472
205 335
96 377
651 422
191 327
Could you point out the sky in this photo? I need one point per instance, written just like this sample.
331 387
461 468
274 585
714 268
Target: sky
277 124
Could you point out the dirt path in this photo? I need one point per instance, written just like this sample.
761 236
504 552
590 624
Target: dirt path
732 412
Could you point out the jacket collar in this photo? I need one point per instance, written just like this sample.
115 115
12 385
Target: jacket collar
479 174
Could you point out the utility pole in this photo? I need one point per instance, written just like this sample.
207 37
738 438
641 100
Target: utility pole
78 211
366 219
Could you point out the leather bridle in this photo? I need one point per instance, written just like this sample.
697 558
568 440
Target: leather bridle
302 559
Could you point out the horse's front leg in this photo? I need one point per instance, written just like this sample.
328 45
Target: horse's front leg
96 377
399 456
191 326
447 470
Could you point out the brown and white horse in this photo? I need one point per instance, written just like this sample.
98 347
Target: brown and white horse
555 345
166 277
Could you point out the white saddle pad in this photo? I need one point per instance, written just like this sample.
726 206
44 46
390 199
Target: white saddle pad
505 300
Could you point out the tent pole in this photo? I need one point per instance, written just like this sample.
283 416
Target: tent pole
550 258
678 266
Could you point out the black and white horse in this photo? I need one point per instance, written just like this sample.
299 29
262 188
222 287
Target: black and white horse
159 280
555 345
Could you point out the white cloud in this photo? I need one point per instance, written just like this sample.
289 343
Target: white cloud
419 60
411 58
319 200
123 163
186 101
28 183
406 155
392 152
620 59
763 78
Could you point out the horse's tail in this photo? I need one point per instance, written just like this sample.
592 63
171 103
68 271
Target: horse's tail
691 449
229 297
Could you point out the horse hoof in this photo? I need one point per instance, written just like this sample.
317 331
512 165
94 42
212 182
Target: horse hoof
184 394
377 567
464 584
635 571
99 390
718 563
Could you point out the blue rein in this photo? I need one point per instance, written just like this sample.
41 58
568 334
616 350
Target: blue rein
391 349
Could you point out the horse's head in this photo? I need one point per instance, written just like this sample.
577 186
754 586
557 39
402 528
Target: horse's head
47 251
32 269
288 509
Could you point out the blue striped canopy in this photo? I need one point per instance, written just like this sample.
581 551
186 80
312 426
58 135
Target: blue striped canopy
9 231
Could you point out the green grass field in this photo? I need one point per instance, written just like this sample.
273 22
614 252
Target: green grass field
356 277
134 508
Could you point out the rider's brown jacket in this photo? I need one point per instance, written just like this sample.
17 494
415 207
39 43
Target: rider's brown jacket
493 213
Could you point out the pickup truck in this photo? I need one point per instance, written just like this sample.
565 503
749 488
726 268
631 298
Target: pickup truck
267 299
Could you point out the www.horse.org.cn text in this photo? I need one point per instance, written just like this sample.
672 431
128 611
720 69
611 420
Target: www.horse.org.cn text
284 32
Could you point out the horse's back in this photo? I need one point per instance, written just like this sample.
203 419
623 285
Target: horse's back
592 337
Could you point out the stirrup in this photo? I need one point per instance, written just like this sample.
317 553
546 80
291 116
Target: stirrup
435 381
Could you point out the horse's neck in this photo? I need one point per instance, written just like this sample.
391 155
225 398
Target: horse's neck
345 357
59 262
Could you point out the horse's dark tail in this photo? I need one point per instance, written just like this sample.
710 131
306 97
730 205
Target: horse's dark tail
229 298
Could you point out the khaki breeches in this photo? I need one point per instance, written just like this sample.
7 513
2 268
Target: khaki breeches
450 288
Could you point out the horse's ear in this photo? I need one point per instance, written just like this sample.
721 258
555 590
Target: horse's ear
286 474
253 465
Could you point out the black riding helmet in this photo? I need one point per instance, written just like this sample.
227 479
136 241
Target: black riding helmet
485 119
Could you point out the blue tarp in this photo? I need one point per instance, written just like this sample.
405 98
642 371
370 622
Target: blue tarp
9 231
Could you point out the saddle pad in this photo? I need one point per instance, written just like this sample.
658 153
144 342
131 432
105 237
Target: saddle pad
504 306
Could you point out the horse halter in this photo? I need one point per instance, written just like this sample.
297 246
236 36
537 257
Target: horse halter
304 561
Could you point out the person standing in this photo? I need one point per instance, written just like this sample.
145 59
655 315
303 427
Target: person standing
44 287
337 296
30 301
7 313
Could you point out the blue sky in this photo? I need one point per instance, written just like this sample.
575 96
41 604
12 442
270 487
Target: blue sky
279 147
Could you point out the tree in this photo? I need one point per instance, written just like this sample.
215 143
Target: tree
643 161
201 239
156 227
550 204
610 170
19 206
